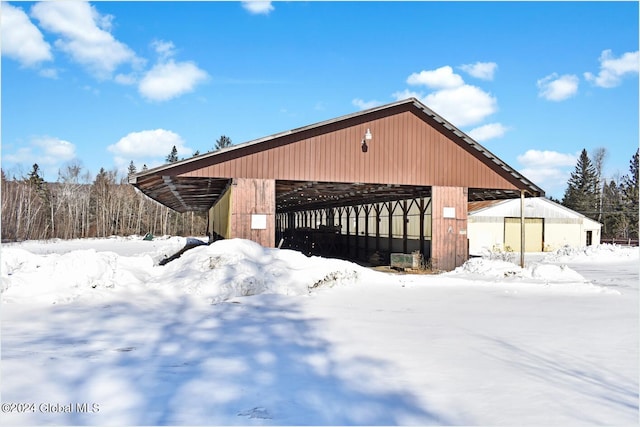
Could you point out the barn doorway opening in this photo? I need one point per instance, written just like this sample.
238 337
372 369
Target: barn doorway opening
356 221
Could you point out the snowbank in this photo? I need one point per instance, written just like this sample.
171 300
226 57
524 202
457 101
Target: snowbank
536 275
158 248
498 269
220 271
58 271
604 253
236 267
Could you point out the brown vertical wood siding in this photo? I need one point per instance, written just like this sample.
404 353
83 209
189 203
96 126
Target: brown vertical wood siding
248 197
405 149
449 235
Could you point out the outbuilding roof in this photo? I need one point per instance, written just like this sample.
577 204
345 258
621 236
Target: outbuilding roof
535 207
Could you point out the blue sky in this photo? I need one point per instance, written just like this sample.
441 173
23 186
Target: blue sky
106 83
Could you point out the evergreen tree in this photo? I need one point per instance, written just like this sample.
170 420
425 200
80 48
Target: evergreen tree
173 156
132 169
614 221
38 183
43 206
222 142
599 155
34 177
581 194
630 196
553 199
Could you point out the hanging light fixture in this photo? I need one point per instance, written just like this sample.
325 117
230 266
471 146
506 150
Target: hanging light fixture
367 137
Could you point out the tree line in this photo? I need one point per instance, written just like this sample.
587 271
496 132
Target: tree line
613 202
77 207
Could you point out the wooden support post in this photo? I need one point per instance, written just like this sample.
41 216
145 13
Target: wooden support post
348 208
339 210
522 246
367 210
390 243
378 208
449 248
422 210
405 223
356 210
253 210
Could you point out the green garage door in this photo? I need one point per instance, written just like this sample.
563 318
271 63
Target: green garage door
533 229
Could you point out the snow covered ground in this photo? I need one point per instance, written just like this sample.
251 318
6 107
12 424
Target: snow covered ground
95 332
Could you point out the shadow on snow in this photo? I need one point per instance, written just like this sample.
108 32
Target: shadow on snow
252 361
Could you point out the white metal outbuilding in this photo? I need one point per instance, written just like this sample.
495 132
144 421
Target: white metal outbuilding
495 225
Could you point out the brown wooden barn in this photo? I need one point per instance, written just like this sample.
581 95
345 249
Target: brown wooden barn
396 178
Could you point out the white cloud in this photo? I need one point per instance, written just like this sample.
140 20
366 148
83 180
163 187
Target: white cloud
440 78
84 35
552 180
167 79
612 69
365 105
548 169
462 106
50 73
541 158
258 7
459 103
21 155
488 131
558 88
149 144
164 49
21 40
147 147
171 79
481 70
48 152
55 149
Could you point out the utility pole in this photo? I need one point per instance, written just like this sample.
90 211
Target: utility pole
522 228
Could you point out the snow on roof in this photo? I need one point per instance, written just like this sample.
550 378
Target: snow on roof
535 207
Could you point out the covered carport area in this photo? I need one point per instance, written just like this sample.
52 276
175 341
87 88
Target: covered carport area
353 220
356 221
366 222
395 178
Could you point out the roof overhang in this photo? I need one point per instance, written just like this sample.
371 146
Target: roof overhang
182 194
